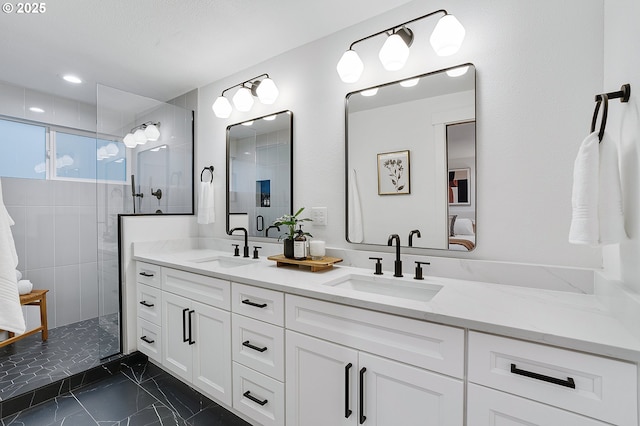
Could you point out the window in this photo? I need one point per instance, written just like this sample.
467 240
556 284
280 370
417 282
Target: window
23 150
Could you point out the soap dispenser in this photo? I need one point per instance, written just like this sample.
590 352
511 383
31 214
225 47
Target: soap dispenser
300 246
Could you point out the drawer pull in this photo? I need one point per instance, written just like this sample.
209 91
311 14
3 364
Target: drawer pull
347 411
185 339
567 383
145 339
255 348
363 418
257 305
191 341
247 394
146 274
147 304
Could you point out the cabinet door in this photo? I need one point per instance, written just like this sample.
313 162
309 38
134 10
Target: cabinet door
212 351
176 351
400 394
321 382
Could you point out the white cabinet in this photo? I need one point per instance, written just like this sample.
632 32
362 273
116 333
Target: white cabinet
329 384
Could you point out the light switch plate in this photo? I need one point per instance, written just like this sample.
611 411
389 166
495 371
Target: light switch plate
319 216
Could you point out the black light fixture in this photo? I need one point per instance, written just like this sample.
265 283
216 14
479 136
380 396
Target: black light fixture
261 87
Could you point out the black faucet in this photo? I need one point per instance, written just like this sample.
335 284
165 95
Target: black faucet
397 265
266 233
246 239
417 233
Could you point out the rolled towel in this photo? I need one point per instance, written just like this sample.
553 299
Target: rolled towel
18 275
24 287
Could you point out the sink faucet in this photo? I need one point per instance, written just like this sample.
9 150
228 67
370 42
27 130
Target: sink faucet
397 265
266 233
246 239
417 234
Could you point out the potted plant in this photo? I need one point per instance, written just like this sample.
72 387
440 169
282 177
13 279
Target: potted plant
291 222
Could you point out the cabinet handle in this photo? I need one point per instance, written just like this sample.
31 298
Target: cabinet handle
145 339
147 304
191 341
247 394
567 383
257 305
347 411
363 418
146 274
255 348
184 325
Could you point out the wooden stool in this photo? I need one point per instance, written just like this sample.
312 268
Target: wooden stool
35 298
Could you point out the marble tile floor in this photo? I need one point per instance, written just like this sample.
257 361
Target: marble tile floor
139 395
30 363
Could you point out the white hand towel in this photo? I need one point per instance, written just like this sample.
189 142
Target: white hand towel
11 318
597 196
24 287
18 275
356 230
206 207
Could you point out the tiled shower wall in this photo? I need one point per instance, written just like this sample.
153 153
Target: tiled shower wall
56 237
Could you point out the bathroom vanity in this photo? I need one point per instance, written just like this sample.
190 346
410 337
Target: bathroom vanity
345 347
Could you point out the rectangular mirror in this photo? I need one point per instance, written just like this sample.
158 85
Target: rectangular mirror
411 161
260 173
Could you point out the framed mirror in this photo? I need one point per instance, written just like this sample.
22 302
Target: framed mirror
260 173
411 161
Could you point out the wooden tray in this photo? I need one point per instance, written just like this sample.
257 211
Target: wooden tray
316 265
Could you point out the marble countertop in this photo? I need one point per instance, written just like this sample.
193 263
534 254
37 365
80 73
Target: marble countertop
571 320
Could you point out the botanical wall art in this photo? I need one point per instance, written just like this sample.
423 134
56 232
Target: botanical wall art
393 173
459 187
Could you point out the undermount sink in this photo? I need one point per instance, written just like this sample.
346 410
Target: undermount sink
221 262
393 287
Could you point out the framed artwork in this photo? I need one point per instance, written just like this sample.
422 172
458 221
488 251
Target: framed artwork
459 187
393 173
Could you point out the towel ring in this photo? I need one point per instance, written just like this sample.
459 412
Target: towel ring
604 99
210 168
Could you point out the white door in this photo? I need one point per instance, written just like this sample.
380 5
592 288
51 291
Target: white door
399 394
212 351
321 382
176 351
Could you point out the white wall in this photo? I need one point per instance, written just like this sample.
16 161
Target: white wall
622 65
539 65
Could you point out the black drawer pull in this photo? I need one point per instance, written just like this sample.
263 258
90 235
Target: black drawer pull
347 411
567 383
147 304
184 325
257 305
363 418
255 348
145 339
146 274
191 341
254 399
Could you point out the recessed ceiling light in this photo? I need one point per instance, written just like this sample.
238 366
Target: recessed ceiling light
36 109
72 79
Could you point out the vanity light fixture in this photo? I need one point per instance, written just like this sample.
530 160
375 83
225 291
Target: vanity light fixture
458 71
369 92
247 123
142 134
410 82
446 39
269 117
261 87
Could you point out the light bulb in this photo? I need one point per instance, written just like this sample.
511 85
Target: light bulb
410 82
243 100
112 149
269 117
102 153
129 141
369 92
395 50
247 123
221 107
139 137
350 67
457 72
152 133
267 91
447 36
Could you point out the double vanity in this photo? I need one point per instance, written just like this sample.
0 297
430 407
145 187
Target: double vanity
283 345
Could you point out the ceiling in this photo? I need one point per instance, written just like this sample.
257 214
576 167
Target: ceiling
162 48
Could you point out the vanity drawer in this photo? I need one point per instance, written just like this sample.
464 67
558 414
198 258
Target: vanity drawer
147 273
597 387
149 303
259 303
423 344
149 340
258 345
208 290
258 396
